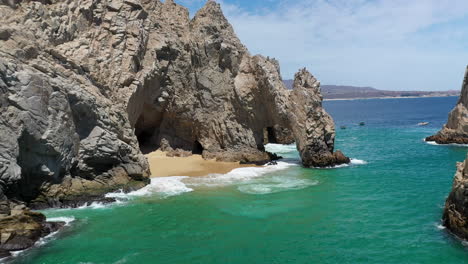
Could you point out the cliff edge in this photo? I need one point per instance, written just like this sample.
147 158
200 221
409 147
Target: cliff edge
456 129
88 86
455 216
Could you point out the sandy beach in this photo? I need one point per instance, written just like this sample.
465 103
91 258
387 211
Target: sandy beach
195 165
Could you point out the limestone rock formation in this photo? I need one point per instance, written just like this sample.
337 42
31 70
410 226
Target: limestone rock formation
312 126
86 86
456 129
455 216
20 228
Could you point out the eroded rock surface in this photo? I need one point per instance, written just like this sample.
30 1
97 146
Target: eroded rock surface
312 126
20 228
456 129
86 86
456 210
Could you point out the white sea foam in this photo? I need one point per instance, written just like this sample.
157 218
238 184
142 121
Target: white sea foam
164 186
451 144
354 162
280 148
66 219
277 184
44 240
95 205
171 186
358 162
238 175
16 253
440 227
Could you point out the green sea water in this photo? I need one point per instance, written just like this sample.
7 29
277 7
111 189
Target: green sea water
384 208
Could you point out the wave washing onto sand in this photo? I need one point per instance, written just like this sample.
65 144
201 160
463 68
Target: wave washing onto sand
171 186
238 175
164 186
256 180
252 180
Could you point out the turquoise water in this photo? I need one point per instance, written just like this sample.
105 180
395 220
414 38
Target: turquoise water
385 208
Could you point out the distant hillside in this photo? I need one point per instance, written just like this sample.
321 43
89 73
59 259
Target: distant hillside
354 92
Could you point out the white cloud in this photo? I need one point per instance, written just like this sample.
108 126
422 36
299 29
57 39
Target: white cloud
388 44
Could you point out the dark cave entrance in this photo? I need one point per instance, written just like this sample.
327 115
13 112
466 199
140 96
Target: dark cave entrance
197 148
147 129
270 135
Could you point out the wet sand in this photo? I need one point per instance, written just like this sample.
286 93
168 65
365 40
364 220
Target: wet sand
195 165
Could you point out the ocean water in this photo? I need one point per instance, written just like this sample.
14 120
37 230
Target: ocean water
383 208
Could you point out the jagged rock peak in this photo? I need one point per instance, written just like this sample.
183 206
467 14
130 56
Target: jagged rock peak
212 14
456 128
464 92
211 8
303 78
89 85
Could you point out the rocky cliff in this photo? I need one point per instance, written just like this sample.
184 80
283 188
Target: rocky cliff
87 86
455 216
456 129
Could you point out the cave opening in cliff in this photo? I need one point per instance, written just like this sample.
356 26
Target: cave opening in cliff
270 135
147 130
197 148
144 140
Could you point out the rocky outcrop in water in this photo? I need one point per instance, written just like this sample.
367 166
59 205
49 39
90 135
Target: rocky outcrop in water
86 86
20 228
455 216
456 129
312 126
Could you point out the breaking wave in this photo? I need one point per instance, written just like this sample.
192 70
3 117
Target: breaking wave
280 148
44 240
239 175
451 144
164 186
248 178
66 219
354 162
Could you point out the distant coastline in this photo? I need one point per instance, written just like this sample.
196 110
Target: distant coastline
388 97
347 92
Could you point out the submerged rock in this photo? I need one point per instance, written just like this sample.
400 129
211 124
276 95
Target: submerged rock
456 129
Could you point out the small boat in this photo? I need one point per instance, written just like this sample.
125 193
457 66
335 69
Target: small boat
362 124
343 127
423 124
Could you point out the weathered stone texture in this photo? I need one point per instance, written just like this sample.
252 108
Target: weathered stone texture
86 86
456 129
455 216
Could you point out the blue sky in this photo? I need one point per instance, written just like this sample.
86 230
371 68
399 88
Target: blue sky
387 44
